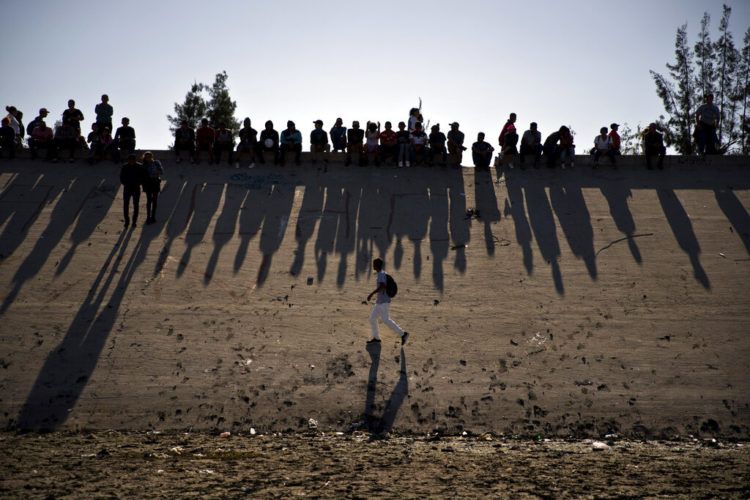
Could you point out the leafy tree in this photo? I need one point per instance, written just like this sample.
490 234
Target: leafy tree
704 58
678 102
743 92
192 109
221 107
631 141
727 68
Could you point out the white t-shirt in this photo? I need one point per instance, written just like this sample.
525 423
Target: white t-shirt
602 143
383 297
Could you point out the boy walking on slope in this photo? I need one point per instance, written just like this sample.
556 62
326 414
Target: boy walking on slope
381 310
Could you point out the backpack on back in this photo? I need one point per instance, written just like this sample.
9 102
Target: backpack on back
391 288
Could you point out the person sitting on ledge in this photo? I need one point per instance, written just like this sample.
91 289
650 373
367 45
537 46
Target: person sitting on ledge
404 145
318 142
205 137
248 142
388 144
66 138
437 145
42 138
531 144
124 140
291 142
354 138
653 145
567 148
603 146
338 136
419 144
615 137
7 139
372 142
224 141
481 153
456 146
184 140
269 143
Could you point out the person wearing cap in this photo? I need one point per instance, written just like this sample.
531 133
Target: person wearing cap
318 142
531 144
73 116
603 146
437 145
338 136
291 142
248 142
42 138
388 144
124 140
36 121
269 143
481 153
653 145
615 137
706 122
104 113
184 140
354 138
205 137
224 142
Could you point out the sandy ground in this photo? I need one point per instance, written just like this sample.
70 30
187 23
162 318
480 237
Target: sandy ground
141 465
579 303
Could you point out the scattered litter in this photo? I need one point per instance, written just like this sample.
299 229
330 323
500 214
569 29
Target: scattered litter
584 382
312 423
177 450
225 434
310 281
252 431
436 302
459 246
599 446
206 471
722 255
473 213
160 471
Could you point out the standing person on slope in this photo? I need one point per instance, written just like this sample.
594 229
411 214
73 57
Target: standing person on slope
382 305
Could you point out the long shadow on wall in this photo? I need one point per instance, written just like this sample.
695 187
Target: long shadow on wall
683 231
617 196
736 214
69 367
575 221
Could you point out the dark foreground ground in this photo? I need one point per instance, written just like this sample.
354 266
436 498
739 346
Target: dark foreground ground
355 465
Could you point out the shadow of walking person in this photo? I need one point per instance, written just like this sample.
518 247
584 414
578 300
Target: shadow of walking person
373 349
682 228
378 426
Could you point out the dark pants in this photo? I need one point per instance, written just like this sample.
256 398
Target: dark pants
707 140
291 148
8 146
529 149
388 153
659 151
262 152
482 160
551 153
610 153
135 195
152 198
184 146
66 144
438 152
246 147
126 146
221 147
35 146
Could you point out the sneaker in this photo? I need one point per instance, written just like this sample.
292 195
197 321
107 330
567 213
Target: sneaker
373 341
252 165
408 164
400 164
237 165
404 338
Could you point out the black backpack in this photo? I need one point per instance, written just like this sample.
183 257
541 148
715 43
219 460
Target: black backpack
391 288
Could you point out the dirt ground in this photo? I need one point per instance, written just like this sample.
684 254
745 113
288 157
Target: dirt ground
112 464
550 304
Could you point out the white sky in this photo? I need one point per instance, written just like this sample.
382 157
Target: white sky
579 63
